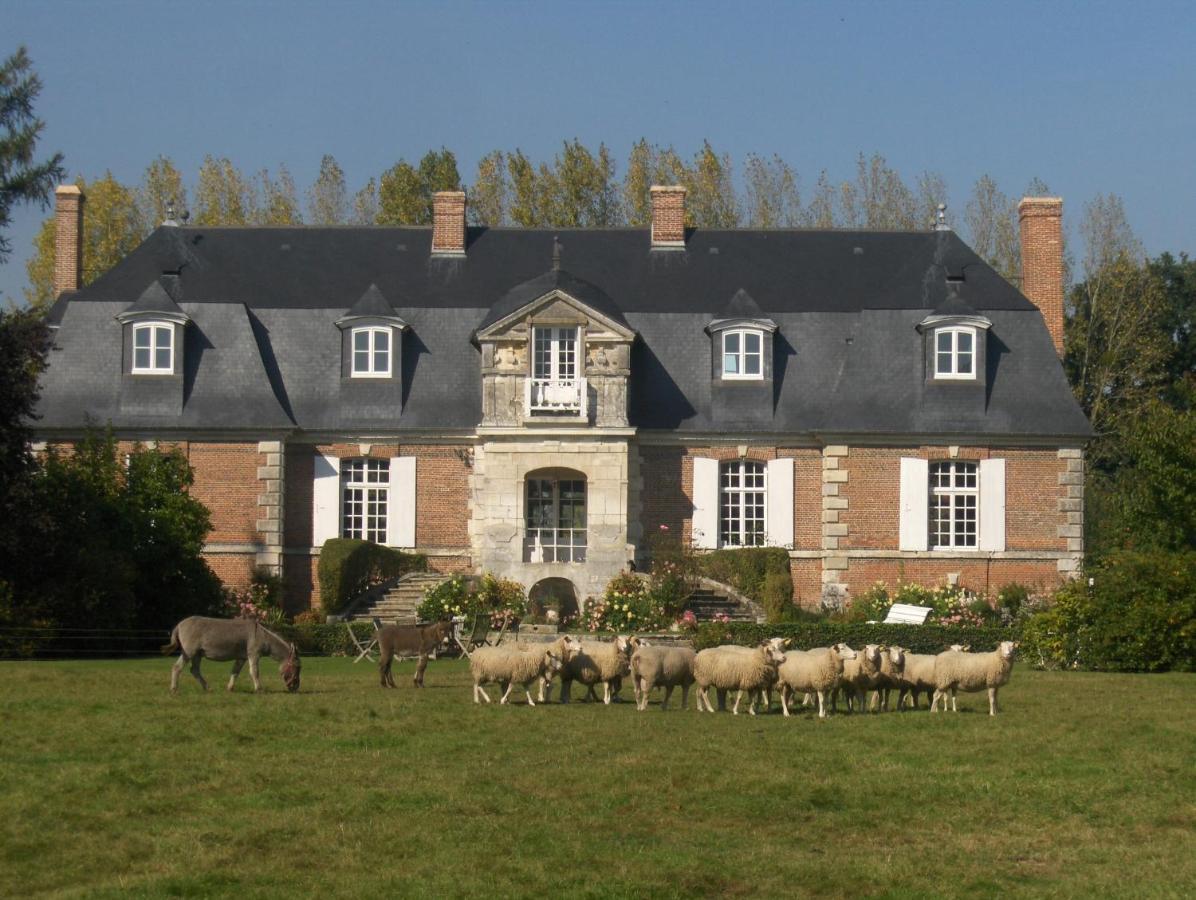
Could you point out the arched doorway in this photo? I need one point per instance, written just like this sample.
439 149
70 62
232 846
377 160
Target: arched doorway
553 595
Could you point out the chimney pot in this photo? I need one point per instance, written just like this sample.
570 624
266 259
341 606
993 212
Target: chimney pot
68 238
668 216
1041 225
448 223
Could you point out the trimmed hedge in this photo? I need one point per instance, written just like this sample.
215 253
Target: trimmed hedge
326 640
745 569
348 567
915 638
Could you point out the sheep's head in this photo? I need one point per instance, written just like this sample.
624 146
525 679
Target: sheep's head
897 658
844 651
552 664
1008 649
772 653
623 644
960 648
289 670
872 656
570 646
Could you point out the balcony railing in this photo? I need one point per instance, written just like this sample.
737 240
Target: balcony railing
554 545
555 396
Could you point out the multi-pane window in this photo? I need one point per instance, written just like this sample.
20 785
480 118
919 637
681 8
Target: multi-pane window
955 353
556 520
371 352
153 348
741 504
365 498
954 504
743 354
555 354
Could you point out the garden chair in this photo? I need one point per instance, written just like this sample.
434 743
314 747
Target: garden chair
366 648
907 614
479 635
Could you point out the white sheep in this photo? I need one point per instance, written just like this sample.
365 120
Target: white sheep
917 676
892 664
816 671
859 676
729 670
597 662
955 670
777 644
667 667
509 666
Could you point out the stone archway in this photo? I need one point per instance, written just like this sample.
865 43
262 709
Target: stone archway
557 594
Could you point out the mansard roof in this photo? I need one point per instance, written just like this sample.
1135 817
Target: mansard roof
847 304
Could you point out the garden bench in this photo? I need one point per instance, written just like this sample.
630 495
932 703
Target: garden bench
907 614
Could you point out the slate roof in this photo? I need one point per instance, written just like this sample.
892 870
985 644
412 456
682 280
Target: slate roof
265 302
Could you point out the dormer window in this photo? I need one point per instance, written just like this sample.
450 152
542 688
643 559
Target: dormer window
371 352
955 353
153 348
743 354
556 386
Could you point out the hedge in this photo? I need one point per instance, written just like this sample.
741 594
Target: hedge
748 570
326 640
348 567
804 635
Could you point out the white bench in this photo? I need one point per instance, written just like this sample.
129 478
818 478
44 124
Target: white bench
907 614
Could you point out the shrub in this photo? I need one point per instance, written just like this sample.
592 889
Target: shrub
501 598
1138 615
824 633
777 597
309 617
745 568
348 567
629 604
674 572
949 604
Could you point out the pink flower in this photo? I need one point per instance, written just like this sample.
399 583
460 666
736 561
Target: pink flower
664 527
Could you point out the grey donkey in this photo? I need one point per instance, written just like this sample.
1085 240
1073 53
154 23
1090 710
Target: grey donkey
236 639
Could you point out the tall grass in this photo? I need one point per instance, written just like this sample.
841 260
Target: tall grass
1084 785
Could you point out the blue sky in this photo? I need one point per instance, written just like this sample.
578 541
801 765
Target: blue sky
1089 97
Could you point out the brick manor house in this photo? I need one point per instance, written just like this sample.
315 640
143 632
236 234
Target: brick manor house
535 403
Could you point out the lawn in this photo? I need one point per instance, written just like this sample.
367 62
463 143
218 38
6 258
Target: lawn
1084 785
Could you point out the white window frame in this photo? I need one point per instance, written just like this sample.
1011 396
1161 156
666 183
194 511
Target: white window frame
737 499
154 347
553 542
561 361
371 499
953 353
372 351
954 497
741 355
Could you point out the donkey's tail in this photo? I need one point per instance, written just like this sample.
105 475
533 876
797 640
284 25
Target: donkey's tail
174 642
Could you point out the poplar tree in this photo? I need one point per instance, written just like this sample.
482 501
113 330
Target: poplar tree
223 196
327 198
772 199
161 188
489 195
279 202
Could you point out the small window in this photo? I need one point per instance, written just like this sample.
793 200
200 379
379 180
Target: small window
371 353
955 353
153 349
365 499
954 506
743 354
741 504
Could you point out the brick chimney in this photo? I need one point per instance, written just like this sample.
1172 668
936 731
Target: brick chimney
668 216
448 223
68 238
1041 221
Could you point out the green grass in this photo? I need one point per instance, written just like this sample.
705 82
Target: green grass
1085 785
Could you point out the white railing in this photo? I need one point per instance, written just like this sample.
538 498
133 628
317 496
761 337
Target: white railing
549 395
554 545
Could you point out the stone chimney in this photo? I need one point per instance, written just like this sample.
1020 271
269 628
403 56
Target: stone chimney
448 223
668 216
68 238
1041 221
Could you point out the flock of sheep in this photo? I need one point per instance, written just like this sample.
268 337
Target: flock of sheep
820 673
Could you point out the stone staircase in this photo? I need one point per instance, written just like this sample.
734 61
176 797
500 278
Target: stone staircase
398 605
705 604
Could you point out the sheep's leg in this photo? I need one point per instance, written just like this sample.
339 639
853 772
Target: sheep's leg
530 701
934 701
232 679
684 696
506 685
722 699
566 690
478 689
992 701
253 673
668 692
175 671
418 679
703 699
954 707
821 704
195 671
785 700
738 697
806 699
605 692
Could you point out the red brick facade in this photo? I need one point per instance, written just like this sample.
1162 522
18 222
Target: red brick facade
1041 223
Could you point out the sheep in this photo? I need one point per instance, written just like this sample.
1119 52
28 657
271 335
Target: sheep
777 644
916 676
859 675
955 670
727 669
666 667
814 671
597 661
892 663
509 666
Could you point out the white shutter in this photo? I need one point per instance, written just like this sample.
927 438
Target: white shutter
400 512
780 503
325 499
992 504
705 518
915 500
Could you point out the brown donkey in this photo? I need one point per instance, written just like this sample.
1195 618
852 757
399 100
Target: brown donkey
408 640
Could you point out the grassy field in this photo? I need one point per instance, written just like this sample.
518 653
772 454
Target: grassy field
1085 785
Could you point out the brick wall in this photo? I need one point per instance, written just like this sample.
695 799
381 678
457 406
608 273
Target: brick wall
226 483
1041 225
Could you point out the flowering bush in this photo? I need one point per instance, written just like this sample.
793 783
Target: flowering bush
501 598
628 605
949 605
253 603
687 620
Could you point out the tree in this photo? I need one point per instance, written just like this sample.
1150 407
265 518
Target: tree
161 191
878 199
711 198
365 204
400 197
821 213
488 198
578 190
992 226
1178 280
930 193
279 203
327 199
112 227
24 343
21 179
526 202
223 196
772 198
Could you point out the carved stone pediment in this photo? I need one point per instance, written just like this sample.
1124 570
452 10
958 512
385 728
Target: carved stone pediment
556 308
